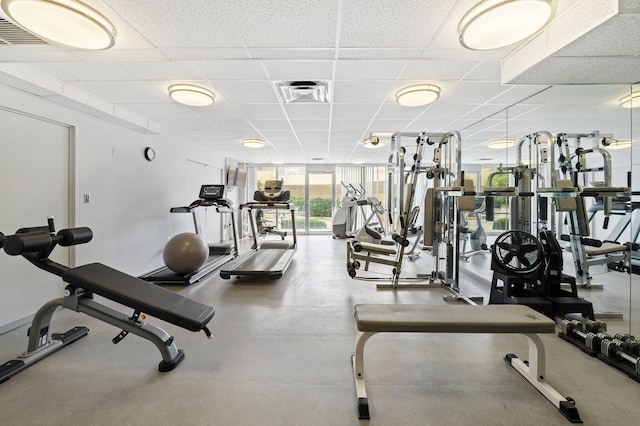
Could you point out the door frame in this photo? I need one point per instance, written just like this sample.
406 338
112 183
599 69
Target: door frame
307 201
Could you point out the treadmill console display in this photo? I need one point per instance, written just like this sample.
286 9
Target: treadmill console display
211 192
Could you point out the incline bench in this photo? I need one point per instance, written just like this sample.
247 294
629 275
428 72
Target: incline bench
36 244
518 319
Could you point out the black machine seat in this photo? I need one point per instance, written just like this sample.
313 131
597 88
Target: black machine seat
140 295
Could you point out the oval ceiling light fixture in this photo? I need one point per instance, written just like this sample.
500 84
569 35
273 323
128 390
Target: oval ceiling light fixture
277 161
253 143
358 161
492 24
501 143
630 101
190 94
64 22
418 95
373 142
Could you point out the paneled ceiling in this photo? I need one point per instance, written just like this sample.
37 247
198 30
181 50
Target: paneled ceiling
365 50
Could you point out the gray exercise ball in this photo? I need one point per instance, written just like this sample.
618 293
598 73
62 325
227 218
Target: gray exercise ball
185 253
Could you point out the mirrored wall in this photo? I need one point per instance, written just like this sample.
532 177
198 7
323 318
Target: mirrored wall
578 136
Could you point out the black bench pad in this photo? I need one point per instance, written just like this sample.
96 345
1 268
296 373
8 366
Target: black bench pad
140 295
452 319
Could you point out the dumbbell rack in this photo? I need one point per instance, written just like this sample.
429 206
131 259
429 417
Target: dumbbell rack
621 351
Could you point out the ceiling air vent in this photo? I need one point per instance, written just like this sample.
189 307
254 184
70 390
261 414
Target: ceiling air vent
303 91
13 35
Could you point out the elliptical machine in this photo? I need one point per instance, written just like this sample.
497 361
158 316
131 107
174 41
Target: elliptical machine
344 219
372 232
478 237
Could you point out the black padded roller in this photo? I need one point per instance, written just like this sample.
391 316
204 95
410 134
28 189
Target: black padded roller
73 236
1 239
26 243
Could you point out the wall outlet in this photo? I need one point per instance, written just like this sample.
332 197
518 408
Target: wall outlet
85 198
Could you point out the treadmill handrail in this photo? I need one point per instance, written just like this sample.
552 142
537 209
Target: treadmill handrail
268 205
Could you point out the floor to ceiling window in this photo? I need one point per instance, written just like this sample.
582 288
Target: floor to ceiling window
316 194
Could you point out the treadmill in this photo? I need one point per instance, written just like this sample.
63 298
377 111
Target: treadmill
271 258
219 254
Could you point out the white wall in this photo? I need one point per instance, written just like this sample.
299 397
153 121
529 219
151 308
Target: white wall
129 196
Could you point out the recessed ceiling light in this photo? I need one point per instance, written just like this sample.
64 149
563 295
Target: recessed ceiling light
65 22
417 95
373 142
253 143
501 143
630 101
358 161
492 24
277 161
190 94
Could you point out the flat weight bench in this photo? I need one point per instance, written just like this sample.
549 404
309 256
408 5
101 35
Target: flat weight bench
36 244
517 319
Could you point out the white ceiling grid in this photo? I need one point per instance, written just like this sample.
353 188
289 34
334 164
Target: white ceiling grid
365 49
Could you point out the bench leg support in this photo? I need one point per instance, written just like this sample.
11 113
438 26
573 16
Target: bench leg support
534 372
357 360
171 355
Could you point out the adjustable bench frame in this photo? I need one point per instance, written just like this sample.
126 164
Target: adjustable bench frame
36 244
373 319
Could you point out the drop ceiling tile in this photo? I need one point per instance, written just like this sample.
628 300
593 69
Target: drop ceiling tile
217 111
120 55
349 136
366 92
437 70
354 111
378 53
309 135
251 111
271 123
379 125
365 69
310 124
288 23
232 69
203 53
272 134
246 91
416 21
204 23
394 111
299 70
349 125
304 110
163 70
485 70
292 53
473 92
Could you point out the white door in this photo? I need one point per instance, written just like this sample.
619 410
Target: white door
34 184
